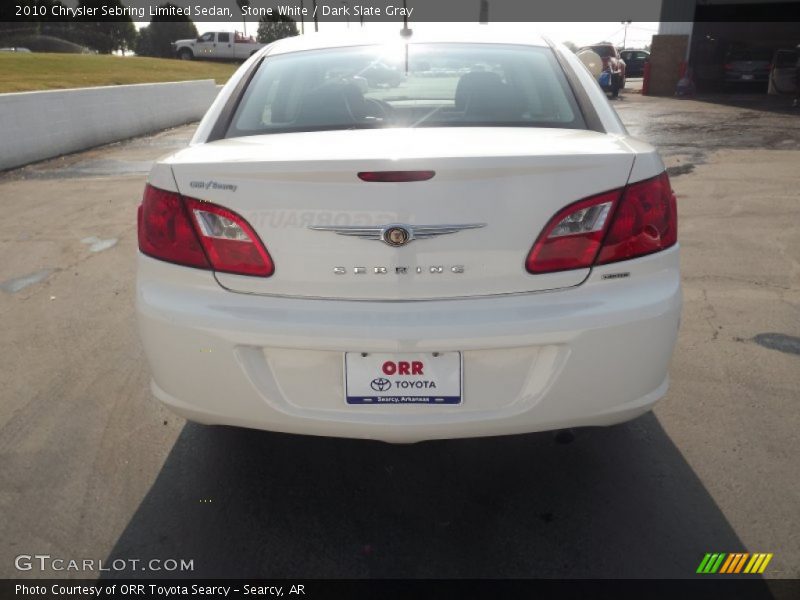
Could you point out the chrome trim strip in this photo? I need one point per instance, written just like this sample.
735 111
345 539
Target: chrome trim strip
378 232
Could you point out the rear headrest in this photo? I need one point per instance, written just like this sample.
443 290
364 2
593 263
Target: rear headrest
483 95
473 83
334 103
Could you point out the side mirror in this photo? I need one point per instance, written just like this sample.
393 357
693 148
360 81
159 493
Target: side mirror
200 39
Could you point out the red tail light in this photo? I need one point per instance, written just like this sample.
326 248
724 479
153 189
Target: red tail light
199 234
573 237
618 225
396 176
165 231
646 221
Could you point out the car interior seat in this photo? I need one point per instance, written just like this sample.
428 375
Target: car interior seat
333 103
484 96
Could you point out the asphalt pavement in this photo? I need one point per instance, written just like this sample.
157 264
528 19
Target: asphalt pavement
92 467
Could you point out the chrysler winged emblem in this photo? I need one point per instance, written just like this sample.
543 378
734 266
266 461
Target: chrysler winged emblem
396 234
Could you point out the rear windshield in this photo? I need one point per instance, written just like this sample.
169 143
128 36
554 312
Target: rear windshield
633 55
753 54
413 85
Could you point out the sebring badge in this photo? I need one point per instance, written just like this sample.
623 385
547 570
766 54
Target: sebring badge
435 270
396 234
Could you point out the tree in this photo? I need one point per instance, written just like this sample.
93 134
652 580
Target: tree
36 24
113 33
572 46
275 27
156 39
144 43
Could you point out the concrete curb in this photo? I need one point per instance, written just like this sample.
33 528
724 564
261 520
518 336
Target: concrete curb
41 125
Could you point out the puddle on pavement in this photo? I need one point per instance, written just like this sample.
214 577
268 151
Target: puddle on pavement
779 341
97 245
12 286
92 163
683 169
91 168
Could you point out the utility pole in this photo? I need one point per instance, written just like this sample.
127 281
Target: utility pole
316 22
302 19
241 4
625 35
483 12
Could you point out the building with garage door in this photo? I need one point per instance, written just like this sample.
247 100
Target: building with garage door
727 43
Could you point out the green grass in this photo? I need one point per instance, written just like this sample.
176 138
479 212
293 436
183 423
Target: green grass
35 71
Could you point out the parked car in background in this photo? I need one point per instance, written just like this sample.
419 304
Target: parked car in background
634 62
748 65
784 72
481 254
217 45
612 64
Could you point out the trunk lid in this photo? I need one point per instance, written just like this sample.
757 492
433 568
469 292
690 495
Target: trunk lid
511 180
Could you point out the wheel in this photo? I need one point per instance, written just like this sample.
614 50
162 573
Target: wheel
185 54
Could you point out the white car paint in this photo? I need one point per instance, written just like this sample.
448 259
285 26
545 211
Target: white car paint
584 347
551 169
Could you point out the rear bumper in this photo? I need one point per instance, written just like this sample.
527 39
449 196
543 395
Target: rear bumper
749 77
596 354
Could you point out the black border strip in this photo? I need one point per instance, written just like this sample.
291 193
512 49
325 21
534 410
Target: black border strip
435 11
743 587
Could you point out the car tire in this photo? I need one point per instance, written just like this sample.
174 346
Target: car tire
186 54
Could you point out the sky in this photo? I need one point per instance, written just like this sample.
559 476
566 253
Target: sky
580 33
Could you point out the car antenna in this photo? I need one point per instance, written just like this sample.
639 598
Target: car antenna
405 31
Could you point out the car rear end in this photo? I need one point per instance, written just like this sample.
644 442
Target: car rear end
634 62
785 73
461 256
747 66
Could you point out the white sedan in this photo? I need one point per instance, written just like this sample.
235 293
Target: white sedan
482 253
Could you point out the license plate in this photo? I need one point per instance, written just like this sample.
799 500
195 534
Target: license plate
747 76
414 378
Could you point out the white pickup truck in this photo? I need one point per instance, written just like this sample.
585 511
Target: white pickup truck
217 45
